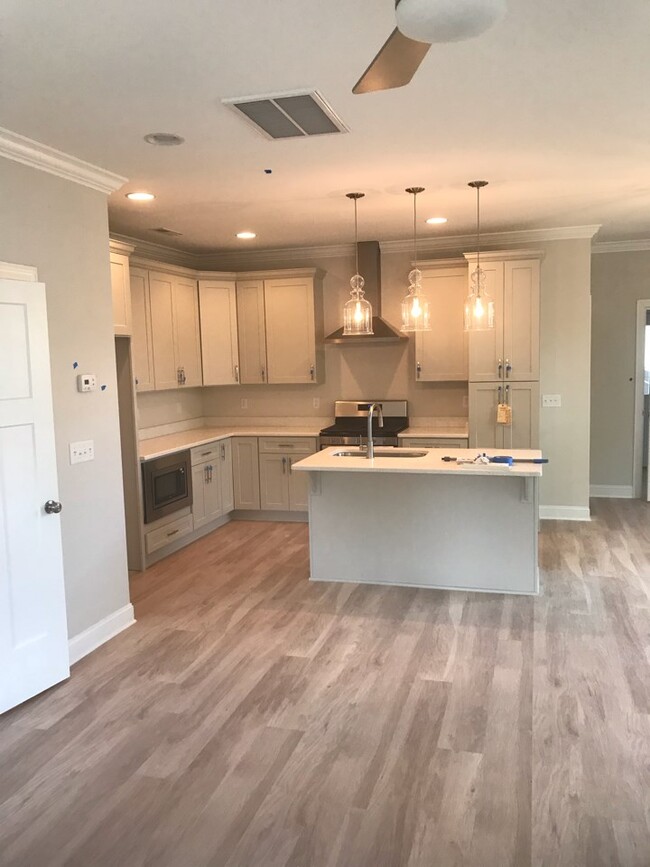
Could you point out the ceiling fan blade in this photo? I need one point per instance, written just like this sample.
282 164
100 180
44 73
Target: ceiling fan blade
395 64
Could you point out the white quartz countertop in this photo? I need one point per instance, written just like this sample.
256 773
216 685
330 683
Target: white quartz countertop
327 461
460 431
188 439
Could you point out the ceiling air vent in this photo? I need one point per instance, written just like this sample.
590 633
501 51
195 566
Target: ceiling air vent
294 114
164 231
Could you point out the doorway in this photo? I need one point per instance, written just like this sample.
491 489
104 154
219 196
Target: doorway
641 479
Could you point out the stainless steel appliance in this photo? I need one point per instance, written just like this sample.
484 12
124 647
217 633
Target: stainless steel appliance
167 485
350 426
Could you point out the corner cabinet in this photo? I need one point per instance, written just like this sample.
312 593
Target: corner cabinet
219 339
120 287
246 472
441 354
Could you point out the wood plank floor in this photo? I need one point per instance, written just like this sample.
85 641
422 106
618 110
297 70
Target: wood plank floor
250 718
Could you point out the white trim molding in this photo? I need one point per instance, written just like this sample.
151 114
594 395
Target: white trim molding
642 309
9 271
640 246
120 247
616 492
99 633
159 252
564 513
39 156
518 236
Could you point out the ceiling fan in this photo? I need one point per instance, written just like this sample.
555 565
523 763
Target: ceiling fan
420 23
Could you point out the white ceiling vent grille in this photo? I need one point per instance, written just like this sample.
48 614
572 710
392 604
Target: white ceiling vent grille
294 114
163 230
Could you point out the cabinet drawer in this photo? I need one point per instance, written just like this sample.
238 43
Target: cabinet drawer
208 452
288 445
169 533
435 443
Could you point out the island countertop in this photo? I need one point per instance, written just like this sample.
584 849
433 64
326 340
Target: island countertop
327 461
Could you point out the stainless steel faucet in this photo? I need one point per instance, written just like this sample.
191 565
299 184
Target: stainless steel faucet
371 411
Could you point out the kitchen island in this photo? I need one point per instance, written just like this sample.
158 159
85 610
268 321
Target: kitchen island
412 519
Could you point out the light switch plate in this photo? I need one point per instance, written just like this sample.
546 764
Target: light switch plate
82 451
551 400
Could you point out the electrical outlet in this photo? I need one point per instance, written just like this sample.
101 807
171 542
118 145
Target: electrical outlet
316 403
82 451
551 400
244 403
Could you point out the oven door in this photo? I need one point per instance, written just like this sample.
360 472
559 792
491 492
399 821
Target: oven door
167 485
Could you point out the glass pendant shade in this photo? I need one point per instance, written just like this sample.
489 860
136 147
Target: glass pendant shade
479 305
416 314
357 312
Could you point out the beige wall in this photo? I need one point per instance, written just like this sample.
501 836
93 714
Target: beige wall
169 407
619 280
62 229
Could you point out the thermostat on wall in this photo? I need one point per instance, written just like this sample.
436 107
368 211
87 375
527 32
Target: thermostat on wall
86 382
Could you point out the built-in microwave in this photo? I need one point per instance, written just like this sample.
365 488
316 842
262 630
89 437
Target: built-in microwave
167 485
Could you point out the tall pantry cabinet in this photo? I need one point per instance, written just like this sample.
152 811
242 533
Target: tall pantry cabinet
504 361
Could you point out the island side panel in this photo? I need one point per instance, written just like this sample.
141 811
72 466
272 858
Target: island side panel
428 530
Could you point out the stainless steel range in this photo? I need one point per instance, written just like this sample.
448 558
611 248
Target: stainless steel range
350 427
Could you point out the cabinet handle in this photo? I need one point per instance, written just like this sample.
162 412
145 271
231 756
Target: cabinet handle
263 375
236 373
286 445
500 368
418 369
499 390
223 452
137 381
508 369
206 477
290 465
508 395
284 465
172 533
311 372
205 454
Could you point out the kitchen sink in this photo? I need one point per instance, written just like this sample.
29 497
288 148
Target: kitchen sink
383 453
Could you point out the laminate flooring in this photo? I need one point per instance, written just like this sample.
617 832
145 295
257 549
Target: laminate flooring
252 719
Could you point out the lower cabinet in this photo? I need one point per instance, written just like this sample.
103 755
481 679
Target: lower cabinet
226 476
246 472
167 531
280 488
484 432
434 443
212 482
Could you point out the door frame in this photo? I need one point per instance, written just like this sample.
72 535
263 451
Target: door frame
642 308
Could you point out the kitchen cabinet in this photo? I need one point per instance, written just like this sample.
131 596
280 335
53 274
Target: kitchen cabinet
226 476
509 351
280 488
219 339
212 482
175 330
441 355
246 472
168 533
524 399
120 287
141 340
276 327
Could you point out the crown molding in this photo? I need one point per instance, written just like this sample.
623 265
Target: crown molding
245 258
159 253
504 255
518 236
39 156
639 246
120 247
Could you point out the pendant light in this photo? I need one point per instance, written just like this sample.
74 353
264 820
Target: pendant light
415 306
357 312
479 306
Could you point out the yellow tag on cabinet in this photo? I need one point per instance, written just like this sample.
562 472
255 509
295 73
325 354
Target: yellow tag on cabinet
504 414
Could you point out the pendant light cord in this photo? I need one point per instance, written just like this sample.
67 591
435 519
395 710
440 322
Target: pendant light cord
415 232
478 230
356 236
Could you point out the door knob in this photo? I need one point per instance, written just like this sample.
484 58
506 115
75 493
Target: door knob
52 507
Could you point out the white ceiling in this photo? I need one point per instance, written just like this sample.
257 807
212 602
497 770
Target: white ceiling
549 106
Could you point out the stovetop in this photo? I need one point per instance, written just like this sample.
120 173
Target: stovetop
355 426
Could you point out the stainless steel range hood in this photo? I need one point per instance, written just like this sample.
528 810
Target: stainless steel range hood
370 269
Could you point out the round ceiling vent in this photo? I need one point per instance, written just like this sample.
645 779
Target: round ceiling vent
166 139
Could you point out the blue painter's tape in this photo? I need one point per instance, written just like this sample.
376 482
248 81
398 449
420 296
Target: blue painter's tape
75 365
103 387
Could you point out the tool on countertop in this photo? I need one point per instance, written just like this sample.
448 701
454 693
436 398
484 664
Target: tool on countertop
496 459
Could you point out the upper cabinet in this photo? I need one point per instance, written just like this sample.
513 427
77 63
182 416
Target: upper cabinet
219 340
510 351
277 327
141 340
120 288
441 354
175 330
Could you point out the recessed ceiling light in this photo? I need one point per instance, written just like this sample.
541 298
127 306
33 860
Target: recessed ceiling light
436 221
166 139
246 235
140 197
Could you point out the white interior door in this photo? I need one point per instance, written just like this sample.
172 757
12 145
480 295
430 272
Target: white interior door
33 631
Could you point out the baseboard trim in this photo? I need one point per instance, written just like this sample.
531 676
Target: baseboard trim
99 633
564 513
618 492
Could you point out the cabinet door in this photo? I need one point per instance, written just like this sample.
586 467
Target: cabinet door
246 472
251 331
199 507
290 329
523 433
226 476
274 482
141 346
441 354
486 347
161 293
219 344
298 488
121 291
521 320
484 432
206 493
187 340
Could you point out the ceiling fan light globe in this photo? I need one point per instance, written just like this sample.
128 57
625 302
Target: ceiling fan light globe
447 20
